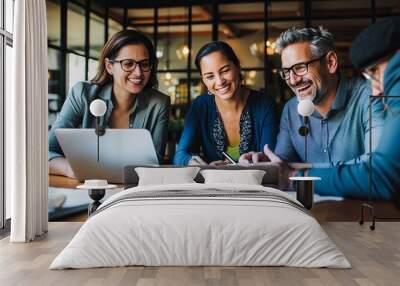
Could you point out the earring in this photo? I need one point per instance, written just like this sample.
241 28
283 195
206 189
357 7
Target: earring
209 92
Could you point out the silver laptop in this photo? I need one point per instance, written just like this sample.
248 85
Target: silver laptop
117 148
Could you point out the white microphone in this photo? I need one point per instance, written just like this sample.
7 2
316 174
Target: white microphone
98 108
305 107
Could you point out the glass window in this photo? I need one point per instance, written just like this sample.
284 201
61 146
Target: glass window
113 27
201 35
76 28
140 16
53 22
197 87
387 7
116 14
340 7
247 42
9 15
96 35
344 32
201 13
251 11
172 44
75 69
174 85
98 6
54 83
8 90
93 64
253 79
147 30
172 14
283 9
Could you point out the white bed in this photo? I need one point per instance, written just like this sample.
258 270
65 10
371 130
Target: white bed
201 224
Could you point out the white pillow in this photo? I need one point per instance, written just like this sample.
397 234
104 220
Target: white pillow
248 177
166 176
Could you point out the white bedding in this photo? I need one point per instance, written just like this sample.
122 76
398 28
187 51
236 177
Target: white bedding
239 228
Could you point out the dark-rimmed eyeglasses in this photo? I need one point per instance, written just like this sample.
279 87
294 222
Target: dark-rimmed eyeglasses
129 65
298 69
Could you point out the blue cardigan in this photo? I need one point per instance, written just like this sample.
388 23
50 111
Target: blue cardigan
352 180
199 121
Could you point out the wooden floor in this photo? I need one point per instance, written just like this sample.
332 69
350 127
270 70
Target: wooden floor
374 255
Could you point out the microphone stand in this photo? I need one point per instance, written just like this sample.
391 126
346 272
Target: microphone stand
99 132
303 131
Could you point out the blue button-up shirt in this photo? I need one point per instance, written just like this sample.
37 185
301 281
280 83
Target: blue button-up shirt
342 137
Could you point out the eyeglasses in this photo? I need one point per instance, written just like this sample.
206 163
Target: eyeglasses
129 65
298 69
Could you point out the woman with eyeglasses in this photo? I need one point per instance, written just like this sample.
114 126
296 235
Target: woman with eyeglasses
126 81
229 118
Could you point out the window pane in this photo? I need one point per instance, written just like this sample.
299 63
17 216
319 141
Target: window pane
140 16
76 69
96 35
113 27
116 14
54 83
76 28
282 9
247 42
340 7
253 79
196 86
201 35
172 42
92 68
251 11
147 30
9 71
201 13
9 14
174 85
387 7
344 32
53 22
172 14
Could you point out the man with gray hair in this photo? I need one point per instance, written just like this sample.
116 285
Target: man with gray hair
339 127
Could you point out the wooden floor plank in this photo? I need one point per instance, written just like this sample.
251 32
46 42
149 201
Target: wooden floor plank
374 255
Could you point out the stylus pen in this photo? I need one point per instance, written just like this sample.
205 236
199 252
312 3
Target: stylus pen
229 158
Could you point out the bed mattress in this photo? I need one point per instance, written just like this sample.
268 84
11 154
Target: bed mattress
201 225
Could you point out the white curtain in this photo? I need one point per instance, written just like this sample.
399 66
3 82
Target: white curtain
26 123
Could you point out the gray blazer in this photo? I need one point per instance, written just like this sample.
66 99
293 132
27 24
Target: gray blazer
150 111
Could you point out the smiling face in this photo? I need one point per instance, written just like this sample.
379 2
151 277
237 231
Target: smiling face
221 76
314 84
132 82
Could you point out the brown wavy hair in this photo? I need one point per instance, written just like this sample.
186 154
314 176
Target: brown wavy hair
114 45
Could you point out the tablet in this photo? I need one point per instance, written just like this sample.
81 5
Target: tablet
117 148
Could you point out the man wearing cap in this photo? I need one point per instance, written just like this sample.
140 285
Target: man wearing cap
339 127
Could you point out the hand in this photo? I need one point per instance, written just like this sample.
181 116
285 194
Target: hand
61 166
219 163
196 161
252 158
285 170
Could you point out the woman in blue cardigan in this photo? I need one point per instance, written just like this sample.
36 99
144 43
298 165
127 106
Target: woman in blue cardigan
228 117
